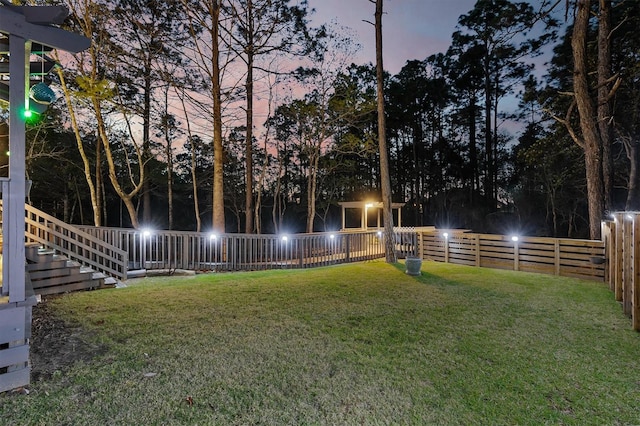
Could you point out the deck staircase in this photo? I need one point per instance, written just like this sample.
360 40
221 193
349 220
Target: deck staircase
62 258
52 273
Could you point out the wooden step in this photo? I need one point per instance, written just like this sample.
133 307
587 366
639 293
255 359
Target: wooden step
50 264
51 273
31 252
52 270
74 276
84 285
105 280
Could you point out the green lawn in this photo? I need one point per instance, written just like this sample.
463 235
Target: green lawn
351 344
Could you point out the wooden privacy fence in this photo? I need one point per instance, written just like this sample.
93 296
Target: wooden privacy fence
622 235
162 250
557 256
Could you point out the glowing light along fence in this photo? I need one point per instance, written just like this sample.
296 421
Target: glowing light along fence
556 256
169 250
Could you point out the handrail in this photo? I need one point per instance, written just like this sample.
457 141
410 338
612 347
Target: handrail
74 243
170 250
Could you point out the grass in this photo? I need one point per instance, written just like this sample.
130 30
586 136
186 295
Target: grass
351 344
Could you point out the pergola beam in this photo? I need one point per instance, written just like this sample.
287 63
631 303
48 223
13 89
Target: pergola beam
16 23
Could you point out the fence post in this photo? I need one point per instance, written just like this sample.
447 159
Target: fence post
618 257
301 247
610 254
187 259
347 254
516 254
446 248
627 262
635 276
478 258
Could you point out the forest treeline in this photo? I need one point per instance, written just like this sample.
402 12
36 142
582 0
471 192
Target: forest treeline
241 116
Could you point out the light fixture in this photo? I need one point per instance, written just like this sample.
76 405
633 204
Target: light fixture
42 94
514 238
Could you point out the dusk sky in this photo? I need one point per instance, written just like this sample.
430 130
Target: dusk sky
412 29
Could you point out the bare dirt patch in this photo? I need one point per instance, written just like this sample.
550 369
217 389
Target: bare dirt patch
56 343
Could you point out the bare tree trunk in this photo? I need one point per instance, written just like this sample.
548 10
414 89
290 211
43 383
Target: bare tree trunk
146 144
100 199
312 185
631 146
588 124
170 182
385 180
93 191
194 176
263 175
126 197
194 183
204 16
218 151
488 137
605 124
248 223
277 210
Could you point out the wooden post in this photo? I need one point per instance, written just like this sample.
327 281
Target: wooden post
301 247
635 276
617 288
627 247
608 228
516 254
347 254
556 260
446 249
478 257
14 213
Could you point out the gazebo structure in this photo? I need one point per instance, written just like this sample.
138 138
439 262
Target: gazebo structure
365 207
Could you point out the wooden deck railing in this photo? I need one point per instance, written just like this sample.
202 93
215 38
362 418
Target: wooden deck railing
77 245
170 250
556 256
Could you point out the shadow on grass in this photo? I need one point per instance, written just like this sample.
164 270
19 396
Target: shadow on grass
426 277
